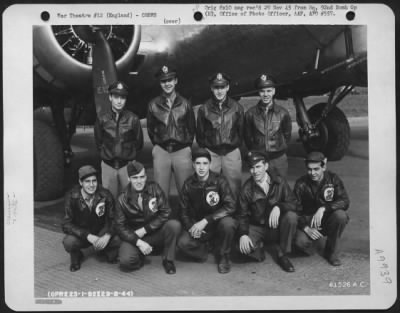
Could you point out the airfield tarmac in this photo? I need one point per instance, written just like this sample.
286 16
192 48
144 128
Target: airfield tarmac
313 275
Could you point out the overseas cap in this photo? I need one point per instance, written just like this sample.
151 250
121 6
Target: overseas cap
253 157
118 88
201 153
134 168
86 171
219 79
165 73
315 156
264 81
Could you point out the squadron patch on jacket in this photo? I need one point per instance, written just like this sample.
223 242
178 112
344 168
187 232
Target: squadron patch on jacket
212 198
153 205
329 193
100 209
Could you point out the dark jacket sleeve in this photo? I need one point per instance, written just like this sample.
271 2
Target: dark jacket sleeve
191 123
163 212
341 200
288 200
137 127
200 133
150 123
298 191
248 130
186 218
124 231
287 127
241 124
243 213
227 207
68 226
109 226
98 134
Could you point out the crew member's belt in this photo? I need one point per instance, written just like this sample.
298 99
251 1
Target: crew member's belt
117 164
172 146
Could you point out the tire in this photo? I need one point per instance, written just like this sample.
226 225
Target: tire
334 130
48 163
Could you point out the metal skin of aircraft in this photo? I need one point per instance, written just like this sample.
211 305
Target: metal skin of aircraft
73 66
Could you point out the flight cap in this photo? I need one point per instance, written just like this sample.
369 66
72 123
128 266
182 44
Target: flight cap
134 168
315 156
219 79
201 153
264 81
166 73
118 88
86 171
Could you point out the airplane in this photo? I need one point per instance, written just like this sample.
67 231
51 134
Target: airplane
74 64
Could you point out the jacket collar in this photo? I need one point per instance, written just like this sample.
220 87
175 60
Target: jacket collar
131 193
274 179
261 106
177 100
226 103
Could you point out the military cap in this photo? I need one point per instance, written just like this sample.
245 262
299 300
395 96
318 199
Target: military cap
201 153
86 171
219 79
118 88
134 168
264 81
315 156
165 73
253 157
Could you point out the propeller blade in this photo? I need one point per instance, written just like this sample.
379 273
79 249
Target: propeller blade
104 73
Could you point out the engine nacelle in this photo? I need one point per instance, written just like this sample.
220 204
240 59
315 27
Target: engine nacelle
62 54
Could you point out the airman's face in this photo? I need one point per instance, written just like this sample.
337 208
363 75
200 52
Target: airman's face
315 171
89 184
220 92
117 102
259 170
202 167
168 86
267 94
138 181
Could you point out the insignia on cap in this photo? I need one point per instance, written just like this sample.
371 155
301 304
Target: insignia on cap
219 76
263 77
164 69
119 86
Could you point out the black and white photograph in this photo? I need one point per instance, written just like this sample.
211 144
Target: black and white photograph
200 157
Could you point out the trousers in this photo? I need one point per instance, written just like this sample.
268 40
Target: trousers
221 233
230 165
73 246
333 225
164 163
115 180
281 238
130 256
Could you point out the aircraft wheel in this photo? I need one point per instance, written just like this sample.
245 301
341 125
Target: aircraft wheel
48 162
334 133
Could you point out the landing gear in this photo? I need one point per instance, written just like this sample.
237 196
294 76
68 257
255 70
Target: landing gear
324 127
48 162
333 131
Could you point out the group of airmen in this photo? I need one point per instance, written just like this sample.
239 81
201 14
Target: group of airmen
127 217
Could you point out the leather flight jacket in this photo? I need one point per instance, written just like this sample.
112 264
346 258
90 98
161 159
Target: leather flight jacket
118 140
329 193
220 130
129 216
255 206
211 200
172 128
80 220
270 131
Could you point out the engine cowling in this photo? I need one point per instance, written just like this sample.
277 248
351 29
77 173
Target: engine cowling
62 54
